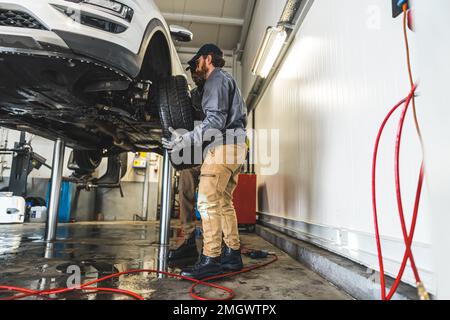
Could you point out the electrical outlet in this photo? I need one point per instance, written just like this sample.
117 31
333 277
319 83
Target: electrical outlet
396 10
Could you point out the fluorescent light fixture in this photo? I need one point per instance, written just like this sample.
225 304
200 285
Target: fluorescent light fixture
269 51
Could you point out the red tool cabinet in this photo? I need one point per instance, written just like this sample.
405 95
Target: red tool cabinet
244 199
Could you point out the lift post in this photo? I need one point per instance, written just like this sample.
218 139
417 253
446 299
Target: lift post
146 189
55 190
164 227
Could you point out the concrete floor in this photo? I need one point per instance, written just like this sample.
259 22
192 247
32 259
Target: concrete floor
100 249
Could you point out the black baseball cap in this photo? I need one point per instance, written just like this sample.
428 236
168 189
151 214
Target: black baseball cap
192 65
206 49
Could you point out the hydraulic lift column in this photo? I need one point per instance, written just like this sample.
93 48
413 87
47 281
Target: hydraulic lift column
55 190
164 227
146 188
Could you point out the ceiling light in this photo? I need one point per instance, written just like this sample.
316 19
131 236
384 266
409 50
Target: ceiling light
269 51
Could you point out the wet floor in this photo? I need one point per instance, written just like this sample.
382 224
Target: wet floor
95 250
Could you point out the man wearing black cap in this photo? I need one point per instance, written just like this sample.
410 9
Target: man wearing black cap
188 183
225 127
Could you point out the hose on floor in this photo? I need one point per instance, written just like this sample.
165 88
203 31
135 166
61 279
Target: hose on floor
89 287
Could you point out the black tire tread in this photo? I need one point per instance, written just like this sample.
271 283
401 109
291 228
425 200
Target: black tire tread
172 98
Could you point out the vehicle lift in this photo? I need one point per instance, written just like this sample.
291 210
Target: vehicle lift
166 195
25 160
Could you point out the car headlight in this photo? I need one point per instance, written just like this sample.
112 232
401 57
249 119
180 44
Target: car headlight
110 6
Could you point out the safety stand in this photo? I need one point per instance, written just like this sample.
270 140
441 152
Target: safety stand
55 190
164 226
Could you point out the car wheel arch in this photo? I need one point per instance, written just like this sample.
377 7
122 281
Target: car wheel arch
155 52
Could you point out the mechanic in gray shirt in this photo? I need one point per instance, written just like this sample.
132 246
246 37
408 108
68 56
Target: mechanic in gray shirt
197 97
189 179
225 126
225 110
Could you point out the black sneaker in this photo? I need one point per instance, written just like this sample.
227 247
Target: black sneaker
188 250
231 260
204 268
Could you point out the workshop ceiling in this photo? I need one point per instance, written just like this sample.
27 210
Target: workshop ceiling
216 21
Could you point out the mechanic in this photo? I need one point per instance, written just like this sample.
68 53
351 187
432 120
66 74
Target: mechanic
225 125
189 179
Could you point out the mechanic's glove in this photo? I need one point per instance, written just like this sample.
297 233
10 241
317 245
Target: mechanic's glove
177 142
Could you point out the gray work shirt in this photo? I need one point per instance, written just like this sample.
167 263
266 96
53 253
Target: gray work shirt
196 97
225 111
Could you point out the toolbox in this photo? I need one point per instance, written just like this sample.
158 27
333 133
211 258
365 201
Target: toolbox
244 199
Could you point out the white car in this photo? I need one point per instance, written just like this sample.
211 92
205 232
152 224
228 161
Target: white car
103 75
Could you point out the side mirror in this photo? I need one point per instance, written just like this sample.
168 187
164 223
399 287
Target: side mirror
180 33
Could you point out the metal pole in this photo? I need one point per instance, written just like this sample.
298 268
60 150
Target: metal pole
49 250
164 226
162 260
146 188
55 190
22 137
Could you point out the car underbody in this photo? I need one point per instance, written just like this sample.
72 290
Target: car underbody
71 77
89 105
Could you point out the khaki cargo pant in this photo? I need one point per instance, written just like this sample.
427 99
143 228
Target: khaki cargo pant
189 180
218 179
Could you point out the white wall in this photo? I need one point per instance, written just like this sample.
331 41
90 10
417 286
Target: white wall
267 13
434 50
344 71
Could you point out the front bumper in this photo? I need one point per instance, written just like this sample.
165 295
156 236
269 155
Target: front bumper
62 34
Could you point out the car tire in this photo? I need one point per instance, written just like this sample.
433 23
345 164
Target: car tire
174 104
87 160
172 98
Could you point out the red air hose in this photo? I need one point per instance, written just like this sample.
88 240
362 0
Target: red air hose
88 286
374 198
407 237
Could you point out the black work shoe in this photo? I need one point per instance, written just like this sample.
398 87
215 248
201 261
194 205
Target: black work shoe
188 250
204 268
231 260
